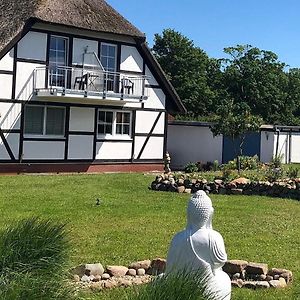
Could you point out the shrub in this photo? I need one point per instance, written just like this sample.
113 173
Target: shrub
33 254
292 172
274 174
276 161
190 168
215 165
246 163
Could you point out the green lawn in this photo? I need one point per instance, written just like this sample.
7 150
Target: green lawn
134 223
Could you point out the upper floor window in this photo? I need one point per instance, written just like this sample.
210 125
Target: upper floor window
108 57
114 123
58 59
44 120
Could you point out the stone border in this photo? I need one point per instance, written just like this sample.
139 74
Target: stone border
243 274
241 186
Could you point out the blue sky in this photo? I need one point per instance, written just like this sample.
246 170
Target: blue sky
215 24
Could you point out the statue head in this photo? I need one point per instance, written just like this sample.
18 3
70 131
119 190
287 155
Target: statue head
199 211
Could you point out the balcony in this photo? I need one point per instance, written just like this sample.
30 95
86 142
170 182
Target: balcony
88 83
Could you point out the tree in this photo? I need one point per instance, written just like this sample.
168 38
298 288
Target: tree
234 120
188 68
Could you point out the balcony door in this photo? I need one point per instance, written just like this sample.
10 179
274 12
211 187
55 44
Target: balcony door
58 60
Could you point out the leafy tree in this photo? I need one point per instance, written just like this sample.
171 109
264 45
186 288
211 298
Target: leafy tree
189 70
234 120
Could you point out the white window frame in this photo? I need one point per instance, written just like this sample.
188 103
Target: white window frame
116 54
114 135
44 134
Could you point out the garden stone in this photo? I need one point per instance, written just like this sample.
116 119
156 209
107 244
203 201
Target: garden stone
276 277
109 284
240 181
256 268
188 191
277 283
145 264
141 272
180 182
94 269
287 276
158 266
85 278
222 191
218 181
76 278
97 278
96 286
235 266
105 276
236 276
277 271
236 191
181 189
200 248
262 277
262 285
269 277
250 284
116 270
131 272
237 283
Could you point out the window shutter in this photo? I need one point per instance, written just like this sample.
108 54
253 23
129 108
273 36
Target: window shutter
55 121
34 120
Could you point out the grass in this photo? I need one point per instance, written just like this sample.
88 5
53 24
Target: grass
133 223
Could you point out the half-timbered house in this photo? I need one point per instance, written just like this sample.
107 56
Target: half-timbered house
79 90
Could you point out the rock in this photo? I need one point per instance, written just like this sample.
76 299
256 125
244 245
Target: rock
269 277
96 286
85 278
116 270
236 191
262 285
95 269
181 189
236 276
287 276
234 266
277 283
218 181
141 272
250 284
222 191
105 276
237 283
180 182
145 264
240 181
109 284
131 272
188 191
262 277
256 268
158 266
124 282
276 277
76 278
277 271
92 277
97 278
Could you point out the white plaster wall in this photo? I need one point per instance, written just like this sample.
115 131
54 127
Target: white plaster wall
79 46
33 46
282 146
7 62
24 80
43 150
5 86
80 147
13 140
145 121
131 60
192 144
153 150
157 98
10 114
295 148
266 146
107 150
150 78
3 153
82 119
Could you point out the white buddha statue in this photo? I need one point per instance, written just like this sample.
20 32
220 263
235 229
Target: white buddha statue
199 248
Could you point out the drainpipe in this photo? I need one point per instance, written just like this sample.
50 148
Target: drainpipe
277 142
290 146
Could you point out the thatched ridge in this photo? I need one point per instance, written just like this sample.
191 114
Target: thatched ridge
86 14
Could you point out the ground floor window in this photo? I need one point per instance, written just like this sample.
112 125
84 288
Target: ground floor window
114 123
44 120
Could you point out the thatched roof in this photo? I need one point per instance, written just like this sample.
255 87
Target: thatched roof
94 15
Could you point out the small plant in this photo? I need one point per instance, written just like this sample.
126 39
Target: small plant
215 165
292 172
227 174
274 174
191 168
276 161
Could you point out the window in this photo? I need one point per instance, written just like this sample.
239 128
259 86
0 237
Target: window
58 60
44 120
114 123
108 58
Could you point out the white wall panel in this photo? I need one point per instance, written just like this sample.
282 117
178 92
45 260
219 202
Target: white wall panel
43 150
33 46
283 146
3 153
5 86
80 147
157 98
145 121
266 146
10 115
13 140
131 60
153 150
150 78
82 119
7 62
79 46
24 80
192 144
115 150
295 148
